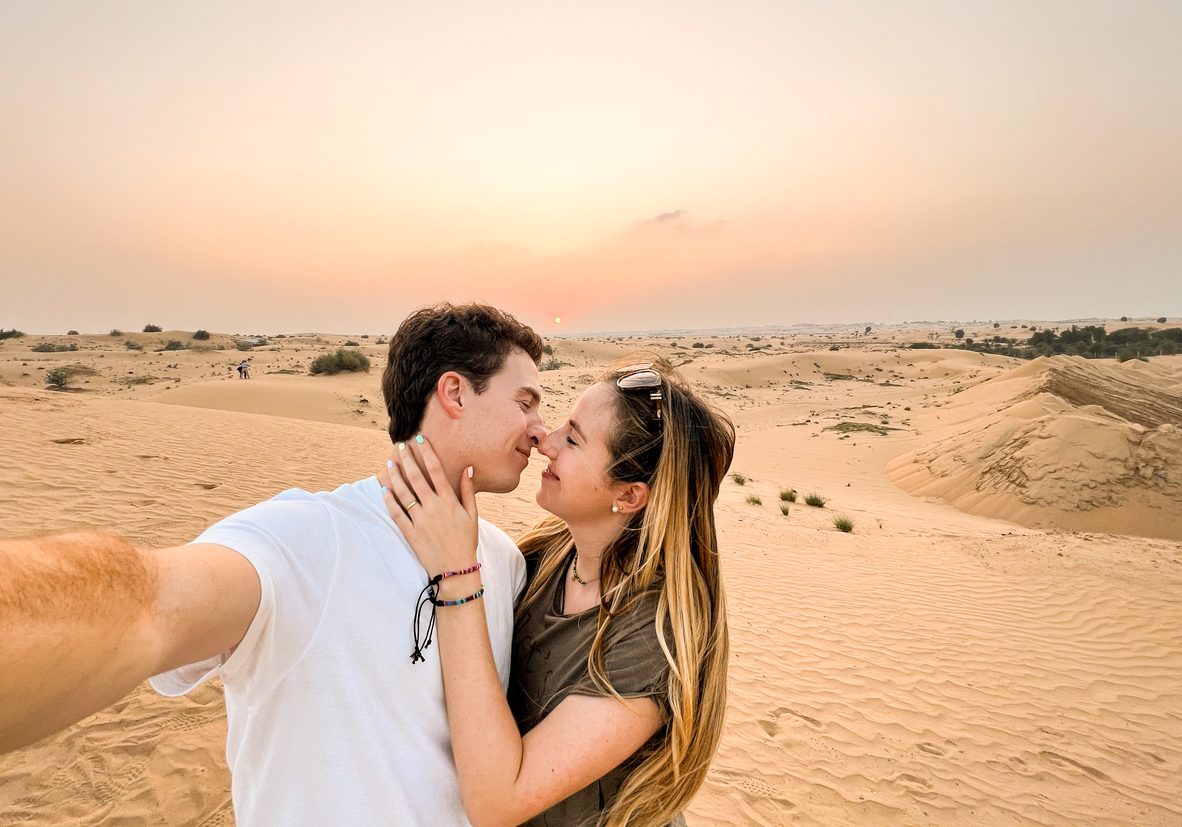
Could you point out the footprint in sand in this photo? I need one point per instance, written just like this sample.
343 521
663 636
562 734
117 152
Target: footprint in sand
932 749
223 816
772 726
116 786
189 721
749 784
915 786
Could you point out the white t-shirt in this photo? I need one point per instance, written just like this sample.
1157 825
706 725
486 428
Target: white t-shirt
329 721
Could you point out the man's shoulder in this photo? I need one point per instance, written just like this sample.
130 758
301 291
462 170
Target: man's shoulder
297 509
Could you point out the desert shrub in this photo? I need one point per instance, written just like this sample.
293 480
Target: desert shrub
60 377
11 334
116 332
243 344
1161 319
815 500
46 347
739 479
71 332
172 344
923 346
548 350
698 344
754 499
784 508
851 427
788 495
201 335
342 360
152 328
130 345
958 333
843 523
1124 318
551 364
351 343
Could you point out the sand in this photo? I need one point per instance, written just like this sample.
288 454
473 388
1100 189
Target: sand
998 641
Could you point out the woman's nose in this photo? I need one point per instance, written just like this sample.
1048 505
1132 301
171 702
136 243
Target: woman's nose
545 446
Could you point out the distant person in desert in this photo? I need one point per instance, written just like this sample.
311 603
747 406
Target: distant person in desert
244 369
618 684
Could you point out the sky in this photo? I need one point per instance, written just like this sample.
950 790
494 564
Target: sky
296 167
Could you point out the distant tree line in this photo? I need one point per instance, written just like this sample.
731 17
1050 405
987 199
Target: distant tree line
1091 342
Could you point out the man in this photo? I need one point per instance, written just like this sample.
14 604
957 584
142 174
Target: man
303 605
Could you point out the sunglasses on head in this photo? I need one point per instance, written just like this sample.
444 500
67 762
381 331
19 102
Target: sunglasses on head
641 377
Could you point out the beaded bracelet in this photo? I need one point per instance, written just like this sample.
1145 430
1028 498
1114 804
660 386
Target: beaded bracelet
444 574
461 601
427 597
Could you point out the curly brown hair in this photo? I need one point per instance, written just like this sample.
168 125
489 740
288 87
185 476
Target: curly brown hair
471 339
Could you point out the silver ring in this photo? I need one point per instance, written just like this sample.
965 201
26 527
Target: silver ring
413 503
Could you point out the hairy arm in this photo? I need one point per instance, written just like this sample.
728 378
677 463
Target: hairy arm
85 617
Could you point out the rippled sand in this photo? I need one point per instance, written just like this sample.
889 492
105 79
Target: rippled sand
933 667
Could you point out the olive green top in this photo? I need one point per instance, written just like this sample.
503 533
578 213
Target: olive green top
550 651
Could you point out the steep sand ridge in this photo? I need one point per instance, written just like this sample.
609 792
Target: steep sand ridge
1061 442
1131 395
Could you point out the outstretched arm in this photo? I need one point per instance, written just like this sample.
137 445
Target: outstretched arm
85 617
504 778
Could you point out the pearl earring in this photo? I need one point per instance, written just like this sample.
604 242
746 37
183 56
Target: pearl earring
615 509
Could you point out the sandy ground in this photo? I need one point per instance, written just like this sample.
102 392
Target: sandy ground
938 665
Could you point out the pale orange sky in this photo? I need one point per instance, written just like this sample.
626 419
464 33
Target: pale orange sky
289 167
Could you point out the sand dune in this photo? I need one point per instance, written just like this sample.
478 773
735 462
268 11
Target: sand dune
936 666
1062 442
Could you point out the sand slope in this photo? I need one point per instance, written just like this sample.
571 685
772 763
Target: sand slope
1061 442
933 667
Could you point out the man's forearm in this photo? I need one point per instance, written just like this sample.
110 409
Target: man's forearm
75 630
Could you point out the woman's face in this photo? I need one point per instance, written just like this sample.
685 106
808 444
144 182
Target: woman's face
575 485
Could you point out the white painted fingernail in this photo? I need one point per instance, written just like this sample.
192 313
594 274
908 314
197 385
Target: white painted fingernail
401 446
469 472
389 463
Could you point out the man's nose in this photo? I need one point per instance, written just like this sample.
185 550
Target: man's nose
537 432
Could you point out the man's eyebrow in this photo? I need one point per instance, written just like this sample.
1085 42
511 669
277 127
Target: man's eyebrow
533 393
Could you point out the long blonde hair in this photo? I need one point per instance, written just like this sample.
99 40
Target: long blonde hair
671 544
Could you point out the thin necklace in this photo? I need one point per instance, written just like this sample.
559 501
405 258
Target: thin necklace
574 572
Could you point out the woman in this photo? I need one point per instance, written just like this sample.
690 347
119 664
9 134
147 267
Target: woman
618 682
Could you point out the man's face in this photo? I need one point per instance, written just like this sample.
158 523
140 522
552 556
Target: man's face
502 425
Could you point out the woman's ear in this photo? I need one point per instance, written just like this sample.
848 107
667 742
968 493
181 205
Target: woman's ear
449 392
631 497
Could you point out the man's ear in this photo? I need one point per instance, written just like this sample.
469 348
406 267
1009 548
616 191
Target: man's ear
450 390
631 497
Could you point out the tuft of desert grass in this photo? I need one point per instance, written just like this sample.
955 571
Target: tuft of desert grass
815 500
843 523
